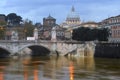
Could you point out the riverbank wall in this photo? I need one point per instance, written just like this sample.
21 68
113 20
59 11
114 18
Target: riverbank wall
107 50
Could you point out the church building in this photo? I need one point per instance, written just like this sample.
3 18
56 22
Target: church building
72 19
49 21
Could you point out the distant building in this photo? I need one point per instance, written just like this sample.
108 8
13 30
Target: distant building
19 30
2 17
2 21
113 23
60 33
72 19
57 33
68 35
111 20
49 21
38 25
90 24
46 34
45 31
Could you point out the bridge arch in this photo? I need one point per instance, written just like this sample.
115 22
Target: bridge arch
4 52
37 49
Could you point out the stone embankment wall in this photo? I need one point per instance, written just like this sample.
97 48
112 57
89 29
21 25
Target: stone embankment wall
78 50
107 50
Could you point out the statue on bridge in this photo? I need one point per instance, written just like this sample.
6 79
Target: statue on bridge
53 34
36 34
14 35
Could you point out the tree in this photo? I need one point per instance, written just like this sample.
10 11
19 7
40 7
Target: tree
13 19
18 20
103 34
2 33
2 23
88 34
28 28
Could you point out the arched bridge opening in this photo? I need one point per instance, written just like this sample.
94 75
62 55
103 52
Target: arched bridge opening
4 53
38 50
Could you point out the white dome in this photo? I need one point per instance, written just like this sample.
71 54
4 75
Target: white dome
73 14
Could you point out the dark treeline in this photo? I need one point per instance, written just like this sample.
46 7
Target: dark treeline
90 34
13 19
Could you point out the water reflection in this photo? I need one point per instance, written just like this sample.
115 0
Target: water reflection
83 62
57 68
36 75
71 69
25 75
3 64
108 68
42 67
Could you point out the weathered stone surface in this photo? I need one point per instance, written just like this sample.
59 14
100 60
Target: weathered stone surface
61 47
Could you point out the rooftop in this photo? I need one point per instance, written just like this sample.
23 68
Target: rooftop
50 17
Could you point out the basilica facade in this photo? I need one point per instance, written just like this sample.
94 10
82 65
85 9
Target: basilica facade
72 19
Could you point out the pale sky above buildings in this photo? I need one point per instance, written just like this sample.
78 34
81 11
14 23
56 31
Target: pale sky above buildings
36 10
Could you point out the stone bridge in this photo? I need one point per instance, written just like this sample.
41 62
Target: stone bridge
60 47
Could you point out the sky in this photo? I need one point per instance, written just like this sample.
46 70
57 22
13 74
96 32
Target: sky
36 10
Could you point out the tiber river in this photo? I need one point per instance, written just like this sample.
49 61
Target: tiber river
59 68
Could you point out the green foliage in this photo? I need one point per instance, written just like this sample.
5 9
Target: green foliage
87 34
2 23
2 33
28 28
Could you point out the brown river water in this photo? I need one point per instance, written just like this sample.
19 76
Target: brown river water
59 68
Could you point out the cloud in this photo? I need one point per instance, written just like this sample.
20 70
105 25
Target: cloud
35 10
36 3
94 10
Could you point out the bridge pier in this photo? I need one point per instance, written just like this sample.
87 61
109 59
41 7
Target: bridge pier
77 50
80 52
